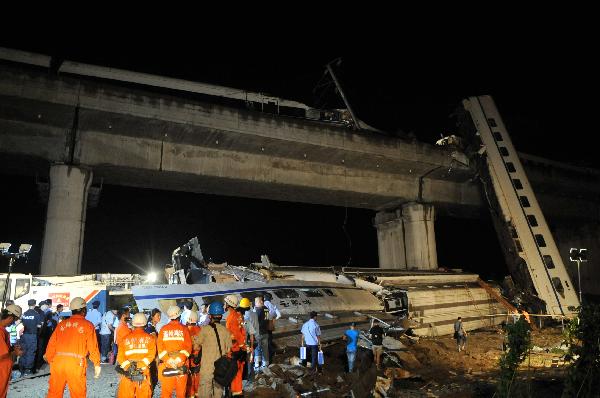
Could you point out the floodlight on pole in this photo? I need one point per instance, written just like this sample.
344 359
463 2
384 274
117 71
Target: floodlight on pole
4 247
579 256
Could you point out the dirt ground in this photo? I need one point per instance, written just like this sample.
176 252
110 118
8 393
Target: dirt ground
446 372
436 369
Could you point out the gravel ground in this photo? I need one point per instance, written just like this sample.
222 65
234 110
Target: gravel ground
37 387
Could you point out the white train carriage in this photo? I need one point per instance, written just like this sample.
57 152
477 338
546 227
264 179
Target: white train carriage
338 305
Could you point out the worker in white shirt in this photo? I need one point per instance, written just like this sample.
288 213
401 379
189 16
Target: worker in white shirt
95 317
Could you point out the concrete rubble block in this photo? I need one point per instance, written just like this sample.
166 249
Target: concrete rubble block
295 372
287 391
382 386
391 343
397 373
304 384
278 381
408 360
295 361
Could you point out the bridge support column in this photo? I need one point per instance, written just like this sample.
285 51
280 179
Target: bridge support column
419 236
65 220
390 239
406 237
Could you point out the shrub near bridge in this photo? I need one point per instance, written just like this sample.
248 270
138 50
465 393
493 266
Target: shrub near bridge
518 336
583 338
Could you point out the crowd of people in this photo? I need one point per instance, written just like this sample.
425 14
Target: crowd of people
32 332
179 353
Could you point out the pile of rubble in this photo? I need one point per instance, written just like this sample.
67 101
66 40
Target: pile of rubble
287 378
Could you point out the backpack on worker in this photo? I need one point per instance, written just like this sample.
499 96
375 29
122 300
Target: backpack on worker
225 368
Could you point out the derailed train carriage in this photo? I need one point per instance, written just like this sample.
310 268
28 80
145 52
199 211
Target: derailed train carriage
338 304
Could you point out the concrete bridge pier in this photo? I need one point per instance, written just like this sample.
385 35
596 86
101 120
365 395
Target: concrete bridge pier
65 220
406 237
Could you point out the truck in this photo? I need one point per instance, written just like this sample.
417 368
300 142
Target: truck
108 289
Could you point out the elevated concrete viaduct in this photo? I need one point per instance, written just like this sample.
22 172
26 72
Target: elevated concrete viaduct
80 130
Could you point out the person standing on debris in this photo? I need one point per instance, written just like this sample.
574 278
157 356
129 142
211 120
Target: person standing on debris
274 314
69 345
206 341
460 334
174 347
261 352
351 336
193 382
138 350
151 329
32 322
8 354
252 335
311 336
376 334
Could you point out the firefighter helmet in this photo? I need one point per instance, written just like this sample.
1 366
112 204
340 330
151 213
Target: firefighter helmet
231 300
77 303
15 310
193 317
245 303
173 312
139 319
216 308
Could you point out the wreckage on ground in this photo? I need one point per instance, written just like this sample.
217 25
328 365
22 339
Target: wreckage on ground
422 303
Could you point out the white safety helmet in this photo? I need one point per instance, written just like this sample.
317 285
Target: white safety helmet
231 300
15 310
173 312
193 317
77 303
139 319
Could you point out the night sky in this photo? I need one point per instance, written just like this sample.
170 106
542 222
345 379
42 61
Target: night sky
539 87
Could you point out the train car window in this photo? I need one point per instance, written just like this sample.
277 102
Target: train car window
286 293
21 288
558 286
329 292
312 293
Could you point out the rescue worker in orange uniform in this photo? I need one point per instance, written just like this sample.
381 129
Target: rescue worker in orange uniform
174 346
122 329
193 381
239 349
8 354
138 348
67 350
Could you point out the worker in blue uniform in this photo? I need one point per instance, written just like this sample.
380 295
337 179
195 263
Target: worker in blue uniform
32 322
